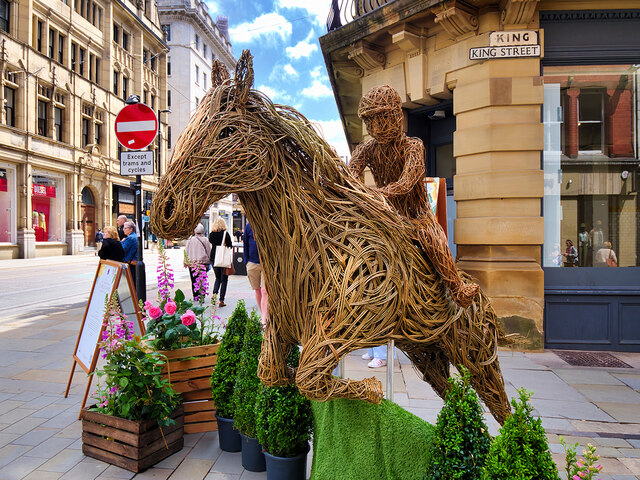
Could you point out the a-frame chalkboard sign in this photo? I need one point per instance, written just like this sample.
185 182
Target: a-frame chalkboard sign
110 276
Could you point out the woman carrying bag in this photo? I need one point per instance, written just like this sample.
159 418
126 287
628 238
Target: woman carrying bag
221 259
199 251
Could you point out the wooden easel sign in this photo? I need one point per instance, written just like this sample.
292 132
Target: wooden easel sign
108 279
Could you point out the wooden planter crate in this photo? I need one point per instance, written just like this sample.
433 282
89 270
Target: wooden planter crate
130 444
189 371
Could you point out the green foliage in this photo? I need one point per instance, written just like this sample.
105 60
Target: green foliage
284 420
179 323
131 385
461 441
247 384
521 450
224 375
583 468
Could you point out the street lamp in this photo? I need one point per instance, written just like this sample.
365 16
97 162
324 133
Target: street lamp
160 112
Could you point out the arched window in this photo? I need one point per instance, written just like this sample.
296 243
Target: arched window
87 196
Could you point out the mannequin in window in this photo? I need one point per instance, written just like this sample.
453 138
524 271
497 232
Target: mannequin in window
597 237
584 244
43 221
35 219
397 164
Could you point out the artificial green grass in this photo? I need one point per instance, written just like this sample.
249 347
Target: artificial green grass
355 440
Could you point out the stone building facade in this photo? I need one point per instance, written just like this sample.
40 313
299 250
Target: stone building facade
529 109
66 69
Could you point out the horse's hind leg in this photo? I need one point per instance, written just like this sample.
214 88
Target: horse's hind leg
432 363
272 364
315 380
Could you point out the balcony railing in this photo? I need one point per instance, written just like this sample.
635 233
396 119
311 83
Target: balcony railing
345 11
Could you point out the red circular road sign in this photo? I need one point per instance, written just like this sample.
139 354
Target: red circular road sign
136 126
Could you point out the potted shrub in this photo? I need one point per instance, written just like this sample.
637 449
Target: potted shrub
246 393
284 424
521 449
187 335
223 378
461 439
138 419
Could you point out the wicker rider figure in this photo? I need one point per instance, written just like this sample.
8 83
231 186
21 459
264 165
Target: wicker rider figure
397 164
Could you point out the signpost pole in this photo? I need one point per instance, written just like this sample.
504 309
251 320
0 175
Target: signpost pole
141 276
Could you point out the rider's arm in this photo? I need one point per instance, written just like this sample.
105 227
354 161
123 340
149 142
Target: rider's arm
412 173
358 162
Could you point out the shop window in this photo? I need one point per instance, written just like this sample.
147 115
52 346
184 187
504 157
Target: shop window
47 201
7 204
591 206
4 15
10 106
42 117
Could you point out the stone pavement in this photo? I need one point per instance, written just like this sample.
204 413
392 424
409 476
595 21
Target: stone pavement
40 435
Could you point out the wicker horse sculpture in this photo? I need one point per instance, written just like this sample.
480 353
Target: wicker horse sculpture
341 268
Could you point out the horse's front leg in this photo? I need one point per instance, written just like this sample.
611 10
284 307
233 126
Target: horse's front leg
315 379
272 364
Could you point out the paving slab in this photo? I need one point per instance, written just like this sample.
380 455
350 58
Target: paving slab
632 380
544 383
605 393
622 412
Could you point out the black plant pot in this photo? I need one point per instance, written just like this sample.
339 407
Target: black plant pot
287 468
252 456
228 436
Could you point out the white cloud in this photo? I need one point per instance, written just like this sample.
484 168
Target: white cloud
317 90
289 70
302 49
270 25
276 96
213 7
318 9
333 133
316 73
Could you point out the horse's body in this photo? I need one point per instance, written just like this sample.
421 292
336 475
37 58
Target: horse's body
340 265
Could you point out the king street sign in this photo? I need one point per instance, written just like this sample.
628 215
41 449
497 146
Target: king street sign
136 163
483 53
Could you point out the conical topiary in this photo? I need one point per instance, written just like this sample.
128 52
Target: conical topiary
521 450
461 440
247 382
223 378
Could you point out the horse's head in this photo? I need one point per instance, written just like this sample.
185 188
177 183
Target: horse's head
223 149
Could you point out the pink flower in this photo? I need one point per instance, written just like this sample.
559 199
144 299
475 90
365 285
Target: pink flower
188 318
170 307
147 305
155 312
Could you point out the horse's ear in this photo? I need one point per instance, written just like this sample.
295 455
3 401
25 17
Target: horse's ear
219 73
244 77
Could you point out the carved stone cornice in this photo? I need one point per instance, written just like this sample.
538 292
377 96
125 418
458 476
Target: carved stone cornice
456 17
348 70
407 38
367 55
518 12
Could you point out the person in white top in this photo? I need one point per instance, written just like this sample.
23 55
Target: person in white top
605 256
198 251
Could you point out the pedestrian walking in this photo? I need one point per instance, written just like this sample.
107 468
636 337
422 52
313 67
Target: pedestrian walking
254 271
98 239
219 237
120 221
111 248
198 251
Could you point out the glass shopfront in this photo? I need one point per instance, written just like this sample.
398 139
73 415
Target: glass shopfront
591 204
47 205
7 204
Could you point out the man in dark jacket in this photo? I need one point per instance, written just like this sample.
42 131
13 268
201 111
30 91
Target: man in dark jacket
254 271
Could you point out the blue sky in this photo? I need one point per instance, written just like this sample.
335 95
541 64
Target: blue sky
283 38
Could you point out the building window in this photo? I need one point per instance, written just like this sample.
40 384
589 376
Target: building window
10 106
96 70
74 54
168 65
204 80
116 75
213 57
125 41
42 117
52 42
125 88
169 137
197 73
197 101
39 36
169 98
60 48
47 202
7 204
98 134
153 62
204 49
83 54
145 97
590 166
116 33
57 123
166 29
85 131
4 15
197 42
153 102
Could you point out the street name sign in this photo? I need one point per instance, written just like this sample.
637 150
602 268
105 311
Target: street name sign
519 37
483 53
136 126
136 163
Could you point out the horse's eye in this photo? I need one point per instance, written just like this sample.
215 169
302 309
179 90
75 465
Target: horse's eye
226 132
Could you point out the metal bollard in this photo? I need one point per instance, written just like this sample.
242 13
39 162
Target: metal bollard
390 351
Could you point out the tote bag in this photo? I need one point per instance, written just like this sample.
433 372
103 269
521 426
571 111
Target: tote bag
224 255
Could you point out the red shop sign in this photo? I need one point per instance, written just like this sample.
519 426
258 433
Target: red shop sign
44 191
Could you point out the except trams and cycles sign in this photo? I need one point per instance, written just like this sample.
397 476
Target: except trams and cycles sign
515 51
136 163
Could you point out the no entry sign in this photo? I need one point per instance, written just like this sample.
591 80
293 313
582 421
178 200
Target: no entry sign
136 126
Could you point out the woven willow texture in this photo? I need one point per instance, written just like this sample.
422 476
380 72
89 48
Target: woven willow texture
397 164
343 269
